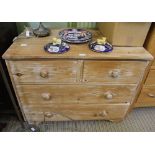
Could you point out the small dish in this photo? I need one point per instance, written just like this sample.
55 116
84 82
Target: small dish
101 48
76 36
57 48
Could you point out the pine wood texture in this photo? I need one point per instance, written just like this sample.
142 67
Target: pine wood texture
153 65
44 71
113 71
76 112
149 43
144 99
147 97
77 85
151 78
67 71
125 33
33 49
44 95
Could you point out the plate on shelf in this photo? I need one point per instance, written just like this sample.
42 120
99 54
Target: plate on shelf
101 48
76 36
57 48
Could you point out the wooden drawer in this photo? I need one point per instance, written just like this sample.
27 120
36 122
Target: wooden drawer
151 78
75 94
153 65
44 71
76 112
114 71
147 96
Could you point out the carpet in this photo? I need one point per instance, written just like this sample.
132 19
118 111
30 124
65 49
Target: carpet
139 120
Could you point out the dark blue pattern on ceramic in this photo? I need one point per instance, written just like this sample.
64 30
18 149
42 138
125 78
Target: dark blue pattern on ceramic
57 49
94 46
75 35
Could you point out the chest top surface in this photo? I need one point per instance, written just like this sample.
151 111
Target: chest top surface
33 48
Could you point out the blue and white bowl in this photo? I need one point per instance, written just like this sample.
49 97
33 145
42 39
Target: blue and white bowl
57 48
101 48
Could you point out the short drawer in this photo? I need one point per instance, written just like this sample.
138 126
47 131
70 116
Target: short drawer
44 71
147 97
75 94
114 71
76 112
150 78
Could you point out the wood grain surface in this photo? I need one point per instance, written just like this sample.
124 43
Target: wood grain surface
53 71
125 33
147 97
150 78
33 48
102 71
144 99
76 112
46 95
77 85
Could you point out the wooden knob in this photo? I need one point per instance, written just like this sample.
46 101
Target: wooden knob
151 95
19 74
46 96
108 95
48 114
103 113
114 74
44 73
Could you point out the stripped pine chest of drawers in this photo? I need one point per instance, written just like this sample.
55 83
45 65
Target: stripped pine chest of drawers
77 85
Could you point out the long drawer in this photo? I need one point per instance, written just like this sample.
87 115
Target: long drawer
75 94
147 97
76 112
113 71
44 71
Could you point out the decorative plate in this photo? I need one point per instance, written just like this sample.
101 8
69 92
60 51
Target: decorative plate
94 46
76 36
57 48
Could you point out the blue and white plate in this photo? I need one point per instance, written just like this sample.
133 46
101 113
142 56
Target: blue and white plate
101 48
75 35
57 48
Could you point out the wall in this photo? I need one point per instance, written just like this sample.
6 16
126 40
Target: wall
20 25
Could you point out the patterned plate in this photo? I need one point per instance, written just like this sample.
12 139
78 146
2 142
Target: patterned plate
57 49
94 46
75 35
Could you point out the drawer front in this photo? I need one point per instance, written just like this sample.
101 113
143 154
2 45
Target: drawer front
76 112
147 96
151 78
75 94
44 71
153 65
113 71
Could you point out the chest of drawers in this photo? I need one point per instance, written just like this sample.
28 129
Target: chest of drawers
77 85
147 95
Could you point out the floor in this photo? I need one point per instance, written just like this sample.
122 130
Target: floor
139 120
